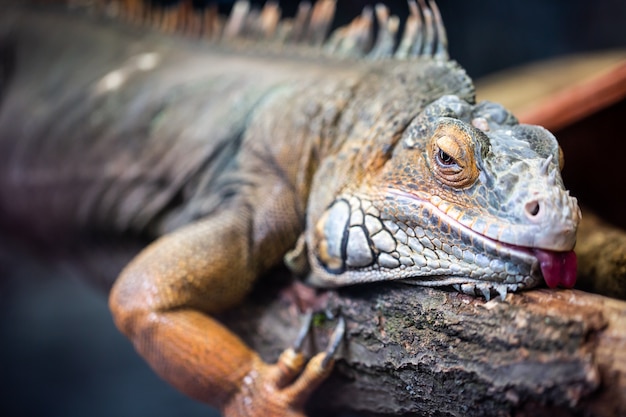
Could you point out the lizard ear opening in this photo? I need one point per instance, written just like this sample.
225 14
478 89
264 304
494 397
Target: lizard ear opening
451 153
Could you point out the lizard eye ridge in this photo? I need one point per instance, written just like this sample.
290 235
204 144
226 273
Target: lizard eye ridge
451 152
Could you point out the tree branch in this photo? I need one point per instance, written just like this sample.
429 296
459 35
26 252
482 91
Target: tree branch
412 350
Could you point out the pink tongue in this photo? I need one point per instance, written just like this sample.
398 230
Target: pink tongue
558 268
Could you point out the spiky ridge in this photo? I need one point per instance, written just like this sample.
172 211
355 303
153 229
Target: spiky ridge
424 34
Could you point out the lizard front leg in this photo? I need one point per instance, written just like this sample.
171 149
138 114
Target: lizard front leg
286 387
163 301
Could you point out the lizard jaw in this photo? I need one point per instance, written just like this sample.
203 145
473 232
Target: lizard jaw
469 286
348 249
558 267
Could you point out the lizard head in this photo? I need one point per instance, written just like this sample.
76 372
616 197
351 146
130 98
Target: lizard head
469 198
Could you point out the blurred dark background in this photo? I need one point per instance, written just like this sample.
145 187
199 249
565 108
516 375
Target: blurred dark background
60 354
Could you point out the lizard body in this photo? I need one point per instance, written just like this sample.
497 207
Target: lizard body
388 169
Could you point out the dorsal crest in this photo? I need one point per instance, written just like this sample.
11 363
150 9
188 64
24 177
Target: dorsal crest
424 34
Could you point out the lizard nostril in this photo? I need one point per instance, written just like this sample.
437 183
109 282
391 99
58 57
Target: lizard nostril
532 208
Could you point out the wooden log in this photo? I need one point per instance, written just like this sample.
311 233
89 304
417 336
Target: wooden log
420 351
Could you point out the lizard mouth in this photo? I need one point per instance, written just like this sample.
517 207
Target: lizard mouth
558 268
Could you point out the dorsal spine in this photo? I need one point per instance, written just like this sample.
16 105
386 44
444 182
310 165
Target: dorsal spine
424 35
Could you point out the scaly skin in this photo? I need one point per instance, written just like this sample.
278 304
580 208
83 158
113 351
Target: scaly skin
416 217
387 168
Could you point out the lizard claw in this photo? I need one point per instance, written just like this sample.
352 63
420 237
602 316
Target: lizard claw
318 368
283 388
304 331
335 341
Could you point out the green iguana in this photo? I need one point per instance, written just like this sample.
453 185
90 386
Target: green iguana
372 159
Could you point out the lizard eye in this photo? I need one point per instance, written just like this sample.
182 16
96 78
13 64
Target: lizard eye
445 159
452 156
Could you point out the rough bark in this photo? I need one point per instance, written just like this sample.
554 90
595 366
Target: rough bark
420 351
